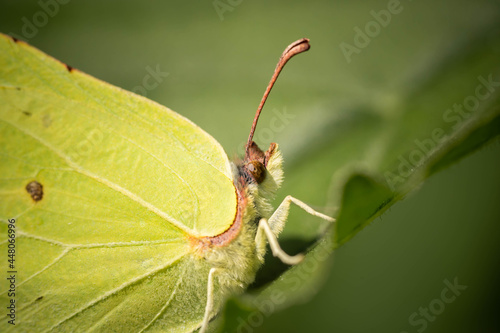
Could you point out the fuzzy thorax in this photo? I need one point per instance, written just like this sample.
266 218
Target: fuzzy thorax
239 256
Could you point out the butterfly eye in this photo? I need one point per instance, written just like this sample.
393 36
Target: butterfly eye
257 170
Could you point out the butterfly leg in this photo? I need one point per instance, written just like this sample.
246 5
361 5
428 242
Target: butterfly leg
275 246
285 206
210 301
276 222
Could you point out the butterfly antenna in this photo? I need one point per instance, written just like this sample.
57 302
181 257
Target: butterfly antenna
296 47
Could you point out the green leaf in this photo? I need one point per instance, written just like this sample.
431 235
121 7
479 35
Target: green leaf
356 214
381 149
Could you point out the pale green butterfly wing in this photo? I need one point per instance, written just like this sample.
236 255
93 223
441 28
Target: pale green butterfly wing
125 183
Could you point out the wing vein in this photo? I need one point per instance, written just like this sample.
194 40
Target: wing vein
116 290
107 182
167 304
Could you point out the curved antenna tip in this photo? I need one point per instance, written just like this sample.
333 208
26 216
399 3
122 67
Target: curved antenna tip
291 50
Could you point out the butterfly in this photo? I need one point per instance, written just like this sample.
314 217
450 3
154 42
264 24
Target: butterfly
121 214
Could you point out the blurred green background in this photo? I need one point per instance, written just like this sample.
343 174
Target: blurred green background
219 56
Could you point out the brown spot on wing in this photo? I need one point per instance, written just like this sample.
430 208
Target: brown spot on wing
35 190
69 68
14 39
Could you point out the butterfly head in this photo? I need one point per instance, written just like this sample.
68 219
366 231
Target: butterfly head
261 168
257 164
